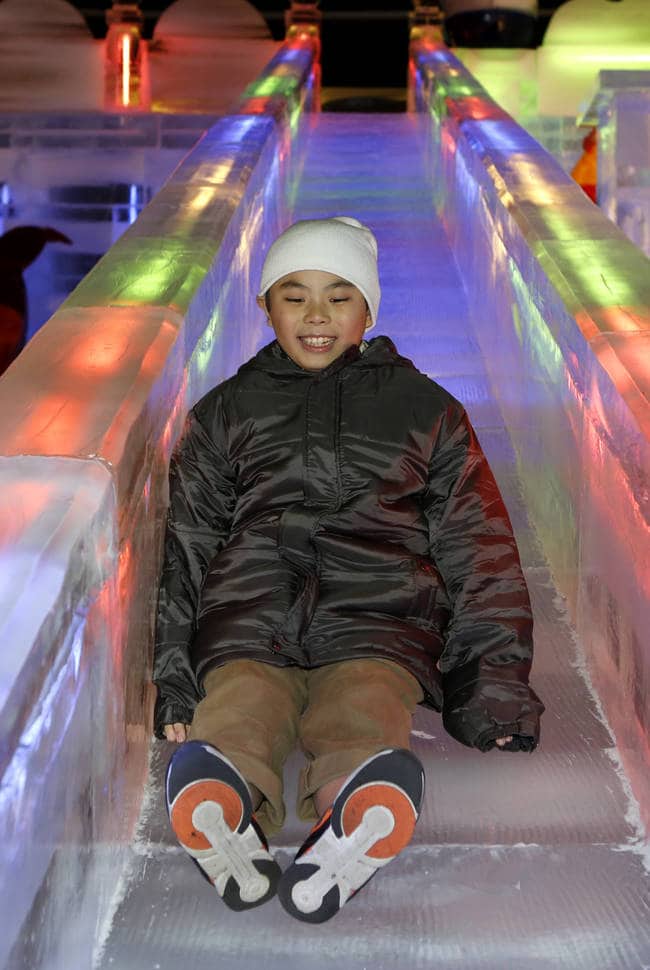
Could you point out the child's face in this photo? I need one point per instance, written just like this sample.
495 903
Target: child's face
316 316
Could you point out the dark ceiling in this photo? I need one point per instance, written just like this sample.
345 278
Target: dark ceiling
364 43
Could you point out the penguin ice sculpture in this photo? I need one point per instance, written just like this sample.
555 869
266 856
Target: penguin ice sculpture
19 248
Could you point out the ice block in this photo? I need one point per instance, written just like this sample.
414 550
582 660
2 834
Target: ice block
561 301
90 412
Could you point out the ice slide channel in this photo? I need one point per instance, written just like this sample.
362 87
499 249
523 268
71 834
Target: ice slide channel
516 294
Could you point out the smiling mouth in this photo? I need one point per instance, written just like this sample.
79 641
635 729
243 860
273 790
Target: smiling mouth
317 343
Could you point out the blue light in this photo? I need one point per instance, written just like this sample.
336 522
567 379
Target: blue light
503 136
133 204
239 126
5 204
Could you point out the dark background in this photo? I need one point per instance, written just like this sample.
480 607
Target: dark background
364 43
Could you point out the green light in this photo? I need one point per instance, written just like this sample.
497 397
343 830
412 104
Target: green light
594 273
459 87
270 86
154 271
205 347
294 117
516 322
543 344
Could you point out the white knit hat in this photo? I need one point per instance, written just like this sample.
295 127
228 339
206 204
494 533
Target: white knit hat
341 245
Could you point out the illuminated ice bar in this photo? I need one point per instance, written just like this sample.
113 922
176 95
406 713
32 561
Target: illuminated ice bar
562 311
90 412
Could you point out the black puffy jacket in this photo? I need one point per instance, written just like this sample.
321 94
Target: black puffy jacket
344 513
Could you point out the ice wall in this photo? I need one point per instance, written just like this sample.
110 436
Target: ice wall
562 299
89 175
90 412
621 110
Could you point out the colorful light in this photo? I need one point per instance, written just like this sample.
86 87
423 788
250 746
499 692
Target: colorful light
133 204
288 76
125 59
5 204
126 68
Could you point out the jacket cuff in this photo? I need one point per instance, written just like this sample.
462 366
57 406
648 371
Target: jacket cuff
169 712
522 738
486 710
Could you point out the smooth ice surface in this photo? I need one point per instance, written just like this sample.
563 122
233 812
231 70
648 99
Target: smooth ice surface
518 860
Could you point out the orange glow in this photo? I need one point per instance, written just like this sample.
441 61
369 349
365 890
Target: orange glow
585 171
24 502
55 426
613 319
126 68
302 36
256 106
125 574
609 476
626 362
100 353
475 107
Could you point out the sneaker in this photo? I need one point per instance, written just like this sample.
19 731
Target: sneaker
211 813
371 821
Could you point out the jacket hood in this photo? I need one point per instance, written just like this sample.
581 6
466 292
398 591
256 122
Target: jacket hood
379 351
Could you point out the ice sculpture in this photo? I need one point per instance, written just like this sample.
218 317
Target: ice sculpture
89 415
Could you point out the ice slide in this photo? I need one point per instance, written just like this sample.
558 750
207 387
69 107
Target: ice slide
514 292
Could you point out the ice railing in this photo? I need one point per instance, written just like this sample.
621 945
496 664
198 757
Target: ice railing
90 411
562 306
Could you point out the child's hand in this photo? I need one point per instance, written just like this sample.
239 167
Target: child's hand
178 732
501 741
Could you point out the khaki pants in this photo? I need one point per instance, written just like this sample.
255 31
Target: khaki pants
340 714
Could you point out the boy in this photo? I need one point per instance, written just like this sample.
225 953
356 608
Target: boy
337 552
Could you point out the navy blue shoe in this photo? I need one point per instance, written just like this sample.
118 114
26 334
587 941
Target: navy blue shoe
211 813
371 821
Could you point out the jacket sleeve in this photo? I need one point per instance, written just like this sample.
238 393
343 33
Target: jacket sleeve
201 506
488 645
